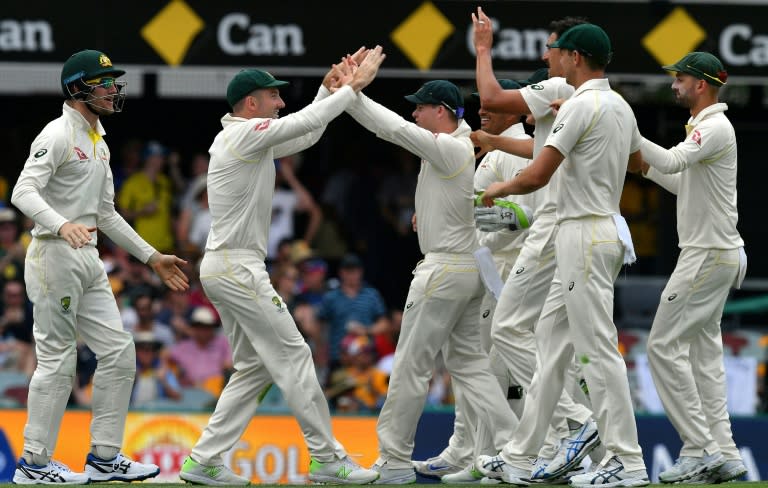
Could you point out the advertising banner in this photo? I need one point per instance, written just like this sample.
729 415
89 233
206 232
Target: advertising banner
418 36
272 450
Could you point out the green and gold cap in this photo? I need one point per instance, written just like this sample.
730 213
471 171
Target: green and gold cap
704 66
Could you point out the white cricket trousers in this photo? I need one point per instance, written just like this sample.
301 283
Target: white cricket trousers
578 318
266 348
72 298
515 335
685 350
469 439
441 314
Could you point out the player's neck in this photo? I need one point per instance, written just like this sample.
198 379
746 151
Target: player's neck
89 116
701 104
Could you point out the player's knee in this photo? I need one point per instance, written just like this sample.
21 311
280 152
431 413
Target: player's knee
62 362
122 354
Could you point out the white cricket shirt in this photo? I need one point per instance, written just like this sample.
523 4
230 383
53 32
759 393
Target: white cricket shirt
444 191
67 178
596 130
538 97
241 172
701 170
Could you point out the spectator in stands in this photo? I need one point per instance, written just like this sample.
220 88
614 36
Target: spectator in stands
200 223
285 281
313 282
144 305
386 341
137 280
353 307
370 382
12 250
194 220
198 171
16 344
128 164
205 359
176 311
291 198
154 379
146 199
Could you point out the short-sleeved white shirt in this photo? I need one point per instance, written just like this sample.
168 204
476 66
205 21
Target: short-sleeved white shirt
596 131
538 97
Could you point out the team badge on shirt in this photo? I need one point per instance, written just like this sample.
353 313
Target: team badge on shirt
66 302
264 125
696 137
80 154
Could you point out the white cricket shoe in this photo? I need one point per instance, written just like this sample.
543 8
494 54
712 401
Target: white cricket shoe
342 471
53 473
200 474
435 467
610 475
733 469
495 467
573 449
688 467
394 476
121 468
466 475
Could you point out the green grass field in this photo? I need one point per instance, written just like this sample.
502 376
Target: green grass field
753 484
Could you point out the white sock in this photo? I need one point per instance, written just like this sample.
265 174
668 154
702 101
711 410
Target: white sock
104 452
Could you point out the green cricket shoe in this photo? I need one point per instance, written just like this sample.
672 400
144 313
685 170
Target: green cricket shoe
340 472
200 474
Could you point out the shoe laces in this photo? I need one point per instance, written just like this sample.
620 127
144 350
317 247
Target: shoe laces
59 466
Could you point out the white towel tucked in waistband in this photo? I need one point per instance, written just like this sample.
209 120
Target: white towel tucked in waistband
488 272
626 238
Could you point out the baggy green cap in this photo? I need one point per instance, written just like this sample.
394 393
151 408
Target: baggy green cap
248 80
704 66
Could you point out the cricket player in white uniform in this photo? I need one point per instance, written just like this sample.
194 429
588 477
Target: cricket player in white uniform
597 131
442 309
66 188
685 349
267 347
470 438
517 332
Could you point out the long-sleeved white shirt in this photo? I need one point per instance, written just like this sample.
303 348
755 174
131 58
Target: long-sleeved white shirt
67 178
701 171
241 172
444 191
502 166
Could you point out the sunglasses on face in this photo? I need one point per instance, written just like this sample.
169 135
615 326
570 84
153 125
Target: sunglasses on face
106 82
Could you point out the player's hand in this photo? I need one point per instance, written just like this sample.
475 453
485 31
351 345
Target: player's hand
167 268
76 235
494 190
505 215
365 73
482 36
556 104
359 55
481 139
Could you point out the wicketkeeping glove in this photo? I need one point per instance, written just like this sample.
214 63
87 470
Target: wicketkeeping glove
503 215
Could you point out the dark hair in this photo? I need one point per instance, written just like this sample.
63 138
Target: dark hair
561 25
